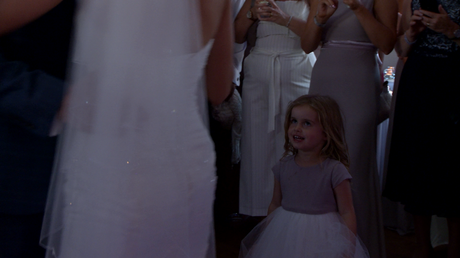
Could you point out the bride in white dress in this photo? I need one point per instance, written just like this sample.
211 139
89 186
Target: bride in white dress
135 173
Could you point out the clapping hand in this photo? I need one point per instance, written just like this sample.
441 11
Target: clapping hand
352 4
325 10
269 11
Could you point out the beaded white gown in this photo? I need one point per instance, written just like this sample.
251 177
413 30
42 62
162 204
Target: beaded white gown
135 173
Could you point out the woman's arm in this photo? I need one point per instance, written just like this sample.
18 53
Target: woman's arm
320 12
242 22
219 69
399 32
345 204
17 13
402 46
411 26
276 199
274 14
380 29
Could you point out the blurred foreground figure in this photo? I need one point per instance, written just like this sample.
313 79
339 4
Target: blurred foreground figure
33 59
135 175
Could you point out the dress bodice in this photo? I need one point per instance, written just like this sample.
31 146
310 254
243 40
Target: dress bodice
309 190
344 25
434 44
276 37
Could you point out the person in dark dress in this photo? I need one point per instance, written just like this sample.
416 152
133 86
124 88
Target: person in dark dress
423 160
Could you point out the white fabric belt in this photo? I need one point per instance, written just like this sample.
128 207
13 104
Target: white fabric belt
274 90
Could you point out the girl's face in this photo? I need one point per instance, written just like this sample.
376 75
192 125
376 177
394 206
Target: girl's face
305 131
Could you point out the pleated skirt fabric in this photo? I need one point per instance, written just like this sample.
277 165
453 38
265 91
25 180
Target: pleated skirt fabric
298 235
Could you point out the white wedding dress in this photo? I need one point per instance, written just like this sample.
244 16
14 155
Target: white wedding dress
135 173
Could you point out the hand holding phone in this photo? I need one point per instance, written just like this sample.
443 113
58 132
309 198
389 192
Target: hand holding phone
266 3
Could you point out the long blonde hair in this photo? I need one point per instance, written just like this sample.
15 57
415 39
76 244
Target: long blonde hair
330 118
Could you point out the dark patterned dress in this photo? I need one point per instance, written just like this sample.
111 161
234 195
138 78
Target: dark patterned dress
425 145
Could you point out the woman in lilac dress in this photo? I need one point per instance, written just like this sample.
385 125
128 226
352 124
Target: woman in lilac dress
350 32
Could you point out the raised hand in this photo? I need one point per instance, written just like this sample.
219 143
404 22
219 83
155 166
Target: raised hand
269 11
352 4
416 25
326 8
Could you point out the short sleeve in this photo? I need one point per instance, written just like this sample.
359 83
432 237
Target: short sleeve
339 174
276 170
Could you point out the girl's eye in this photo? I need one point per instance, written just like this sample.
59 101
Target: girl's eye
307 123
293 121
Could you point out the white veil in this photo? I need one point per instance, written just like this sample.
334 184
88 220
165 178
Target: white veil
134 175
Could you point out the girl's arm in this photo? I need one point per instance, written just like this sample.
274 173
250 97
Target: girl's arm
242 22
345 204
380 29
320 11
276 199
15 14
279 17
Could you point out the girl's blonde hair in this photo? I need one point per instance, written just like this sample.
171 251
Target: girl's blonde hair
330 117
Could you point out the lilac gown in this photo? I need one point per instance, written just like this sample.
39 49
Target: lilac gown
347 70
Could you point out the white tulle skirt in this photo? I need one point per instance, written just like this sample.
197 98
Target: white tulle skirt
291 234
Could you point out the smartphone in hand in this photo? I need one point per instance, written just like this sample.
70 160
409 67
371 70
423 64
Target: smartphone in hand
429 5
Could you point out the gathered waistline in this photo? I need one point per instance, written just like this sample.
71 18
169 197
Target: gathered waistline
308 213
269 52
349 44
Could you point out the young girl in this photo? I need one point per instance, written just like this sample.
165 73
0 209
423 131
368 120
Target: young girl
311 213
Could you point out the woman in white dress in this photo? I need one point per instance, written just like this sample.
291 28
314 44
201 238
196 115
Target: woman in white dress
135 175
276 72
